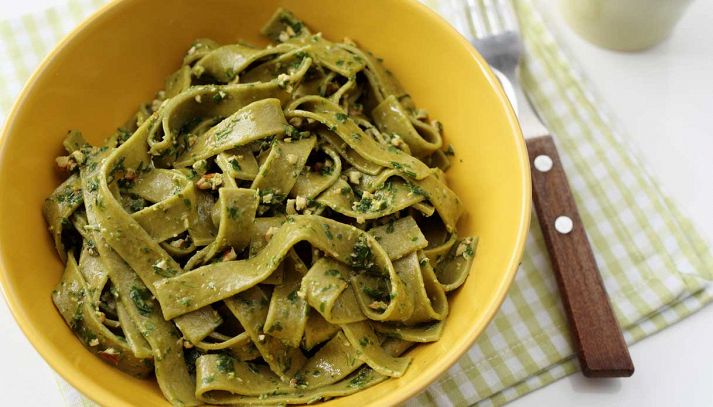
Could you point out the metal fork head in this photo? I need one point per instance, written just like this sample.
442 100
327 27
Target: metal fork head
498 41
497 33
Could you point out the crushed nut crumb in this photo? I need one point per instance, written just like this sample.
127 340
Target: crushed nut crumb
300 203
229 255
211 181
354 176
290 207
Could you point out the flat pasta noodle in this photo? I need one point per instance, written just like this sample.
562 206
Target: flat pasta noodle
326 289
69 297
391 118
63 202
317 330
167 353
275 227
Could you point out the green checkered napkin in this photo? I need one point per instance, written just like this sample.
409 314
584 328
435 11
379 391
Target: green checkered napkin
655 265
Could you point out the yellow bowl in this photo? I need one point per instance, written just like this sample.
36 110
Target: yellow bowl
119 58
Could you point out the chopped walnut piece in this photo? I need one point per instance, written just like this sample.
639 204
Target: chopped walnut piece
211 181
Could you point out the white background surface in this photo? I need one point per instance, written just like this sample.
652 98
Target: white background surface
664 99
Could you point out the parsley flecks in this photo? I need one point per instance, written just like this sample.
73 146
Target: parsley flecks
326 171
294 24
311 203
378 293
361 256
468 250
403 168
341 117
364 205
416 190
233 212
275 196
230 74
225 363
141 297
252 367
234 163
77 318
134 204
450 151
327 232
219 97
299 58
93 185
223 133
69 196
285 361
393 149
98 203
292 132
163 272
117 167
122 135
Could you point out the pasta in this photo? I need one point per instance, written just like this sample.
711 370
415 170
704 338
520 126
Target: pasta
273 228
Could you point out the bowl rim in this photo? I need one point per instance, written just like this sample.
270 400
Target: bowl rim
98 393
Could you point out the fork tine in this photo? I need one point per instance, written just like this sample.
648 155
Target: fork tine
507 15
475 16
492 14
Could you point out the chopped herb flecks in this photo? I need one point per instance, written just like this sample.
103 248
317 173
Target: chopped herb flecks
361 256
225 363
341 117
141 297
327 232
450 151
233 212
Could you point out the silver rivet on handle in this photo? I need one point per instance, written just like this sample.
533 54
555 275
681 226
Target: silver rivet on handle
543 163
564 224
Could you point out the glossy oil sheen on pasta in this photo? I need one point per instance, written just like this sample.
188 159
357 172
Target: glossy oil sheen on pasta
273 228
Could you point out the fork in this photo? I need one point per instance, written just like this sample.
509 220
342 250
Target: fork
596 335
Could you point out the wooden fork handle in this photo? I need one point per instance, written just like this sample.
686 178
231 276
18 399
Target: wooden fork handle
599 343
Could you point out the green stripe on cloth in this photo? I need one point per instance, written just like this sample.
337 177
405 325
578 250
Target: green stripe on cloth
654 263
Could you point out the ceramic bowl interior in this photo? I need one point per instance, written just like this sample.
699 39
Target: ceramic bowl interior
119 58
